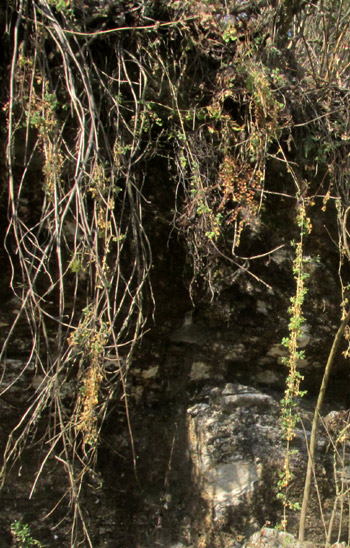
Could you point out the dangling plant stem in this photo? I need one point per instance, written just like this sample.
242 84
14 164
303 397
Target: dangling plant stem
313 438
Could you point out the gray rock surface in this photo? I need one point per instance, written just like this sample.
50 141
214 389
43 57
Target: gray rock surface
233 438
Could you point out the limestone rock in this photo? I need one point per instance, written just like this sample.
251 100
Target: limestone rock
233 436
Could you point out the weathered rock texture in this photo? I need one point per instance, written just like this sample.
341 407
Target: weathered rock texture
235 443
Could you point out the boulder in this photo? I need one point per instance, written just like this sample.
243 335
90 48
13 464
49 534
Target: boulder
236 449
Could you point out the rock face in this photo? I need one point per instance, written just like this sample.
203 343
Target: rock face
235 444
204 401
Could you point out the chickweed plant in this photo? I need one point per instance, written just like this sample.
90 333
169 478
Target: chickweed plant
22 536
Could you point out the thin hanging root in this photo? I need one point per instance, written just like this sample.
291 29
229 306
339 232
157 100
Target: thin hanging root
82 301
312 447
